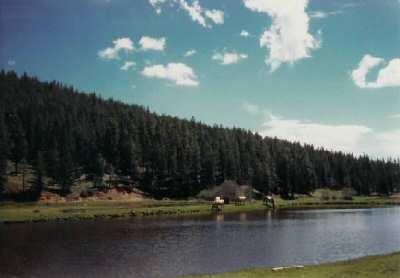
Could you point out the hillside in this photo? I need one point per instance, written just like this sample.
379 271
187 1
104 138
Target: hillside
63 136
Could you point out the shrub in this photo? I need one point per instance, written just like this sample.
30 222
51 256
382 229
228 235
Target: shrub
323 194
347 193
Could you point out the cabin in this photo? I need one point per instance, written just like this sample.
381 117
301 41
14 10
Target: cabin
229 191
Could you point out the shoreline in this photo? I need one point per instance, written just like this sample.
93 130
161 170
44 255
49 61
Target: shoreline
377 266
79 211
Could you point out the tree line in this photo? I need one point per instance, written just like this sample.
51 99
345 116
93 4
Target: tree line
64 134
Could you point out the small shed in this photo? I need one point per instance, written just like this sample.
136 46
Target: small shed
229 191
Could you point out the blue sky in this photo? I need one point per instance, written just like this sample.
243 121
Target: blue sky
317 71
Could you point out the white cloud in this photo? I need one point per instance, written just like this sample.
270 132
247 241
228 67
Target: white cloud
121 44
149 43
288 39
251 109
318 14
350 138
217 16
156 4
244 33
366 64
197 13
179 73
394 116
127 65
333 137
11 63
227 58
321 14
388 76
200 15
189 53
388 143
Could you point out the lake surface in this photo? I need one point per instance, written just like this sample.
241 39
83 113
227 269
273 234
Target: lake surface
208 244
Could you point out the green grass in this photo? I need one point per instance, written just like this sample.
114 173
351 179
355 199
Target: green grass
32 212
314 202
386 266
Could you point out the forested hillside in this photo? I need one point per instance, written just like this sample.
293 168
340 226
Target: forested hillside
64 134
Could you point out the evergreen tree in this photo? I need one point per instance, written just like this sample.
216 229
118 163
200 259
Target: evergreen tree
66 173
3 153
38 183
98 170
164 155
18 141
66 170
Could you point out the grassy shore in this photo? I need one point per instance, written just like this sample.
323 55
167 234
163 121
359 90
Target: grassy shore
386 266
36 212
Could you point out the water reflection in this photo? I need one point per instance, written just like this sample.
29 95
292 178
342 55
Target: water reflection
219 217
206 244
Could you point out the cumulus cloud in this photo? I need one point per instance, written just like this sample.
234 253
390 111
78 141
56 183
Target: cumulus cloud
197 13
388 76
288 39
127 65
178 73
149 43
121 44
367 63
189 53
244 33
227 58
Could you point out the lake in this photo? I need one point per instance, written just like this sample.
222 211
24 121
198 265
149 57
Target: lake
152 248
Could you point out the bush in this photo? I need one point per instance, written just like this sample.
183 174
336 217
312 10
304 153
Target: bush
86 193
323 194
347 194
326 194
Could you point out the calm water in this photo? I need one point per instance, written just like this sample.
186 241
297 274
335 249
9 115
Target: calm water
169 248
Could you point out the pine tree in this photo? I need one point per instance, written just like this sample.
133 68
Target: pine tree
3 154
98 170
164 155
66 170
17 140
66 173
37 183
52 160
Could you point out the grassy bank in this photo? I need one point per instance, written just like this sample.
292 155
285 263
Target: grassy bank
35 212
386 266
